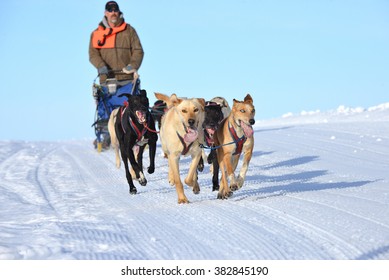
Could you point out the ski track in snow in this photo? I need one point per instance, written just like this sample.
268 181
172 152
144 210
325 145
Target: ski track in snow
312 191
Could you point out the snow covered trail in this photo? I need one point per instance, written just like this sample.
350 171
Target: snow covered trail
315 189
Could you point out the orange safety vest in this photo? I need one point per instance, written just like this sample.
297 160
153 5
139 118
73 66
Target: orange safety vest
104 38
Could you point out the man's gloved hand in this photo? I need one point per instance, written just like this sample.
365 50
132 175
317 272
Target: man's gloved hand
129 70
103 70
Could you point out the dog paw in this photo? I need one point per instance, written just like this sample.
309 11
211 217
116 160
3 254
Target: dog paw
224 195
234 187
211 157
183 200
239 182
143 182
215 187
196 189
151 170
133 190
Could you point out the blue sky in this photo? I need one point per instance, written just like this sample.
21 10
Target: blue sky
289 55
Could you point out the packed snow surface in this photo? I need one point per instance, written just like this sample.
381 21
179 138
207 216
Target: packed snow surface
317 188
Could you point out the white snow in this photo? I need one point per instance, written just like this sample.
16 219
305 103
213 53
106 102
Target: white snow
317 188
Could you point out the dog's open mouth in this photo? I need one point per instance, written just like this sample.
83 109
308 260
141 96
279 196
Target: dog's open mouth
141 116
191 135
210 131
247 129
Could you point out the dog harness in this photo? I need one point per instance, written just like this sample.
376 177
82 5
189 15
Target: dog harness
238 141
104 38
186 148
139 133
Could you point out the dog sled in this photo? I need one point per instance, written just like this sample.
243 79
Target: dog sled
107 98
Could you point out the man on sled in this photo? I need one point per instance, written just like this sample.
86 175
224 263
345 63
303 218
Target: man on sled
116 52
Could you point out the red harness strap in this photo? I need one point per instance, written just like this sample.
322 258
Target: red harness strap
137 131
186 148
238 141
132 124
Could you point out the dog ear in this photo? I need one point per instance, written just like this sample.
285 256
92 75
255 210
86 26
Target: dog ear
201 101
161 96
248 99
221 101
174 100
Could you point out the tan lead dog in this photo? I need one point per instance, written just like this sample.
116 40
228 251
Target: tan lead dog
181 134
234 137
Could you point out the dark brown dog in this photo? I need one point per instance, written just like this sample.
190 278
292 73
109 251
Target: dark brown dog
213 117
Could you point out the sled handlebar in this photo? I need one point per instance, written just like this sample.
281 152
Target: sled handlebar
112 73
115 72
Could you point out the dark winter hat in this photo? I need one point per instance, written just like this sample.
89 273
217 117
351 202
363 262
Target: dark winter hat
112 5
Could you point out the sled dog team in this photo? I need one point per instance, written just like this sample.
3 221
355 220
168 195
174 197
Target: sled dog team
186 126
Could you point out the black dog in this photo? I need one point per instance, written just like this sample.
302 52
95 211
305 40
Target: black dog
135 127
212 120
158 110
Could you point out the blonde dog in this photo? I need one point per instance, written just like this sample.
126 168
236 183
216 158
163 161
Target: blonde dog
181 134
234 137
112 134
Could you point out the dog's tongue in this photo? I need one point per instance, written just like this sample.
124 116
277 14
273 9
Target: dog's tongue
247 129
191 135
141 116
210 131
209 135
